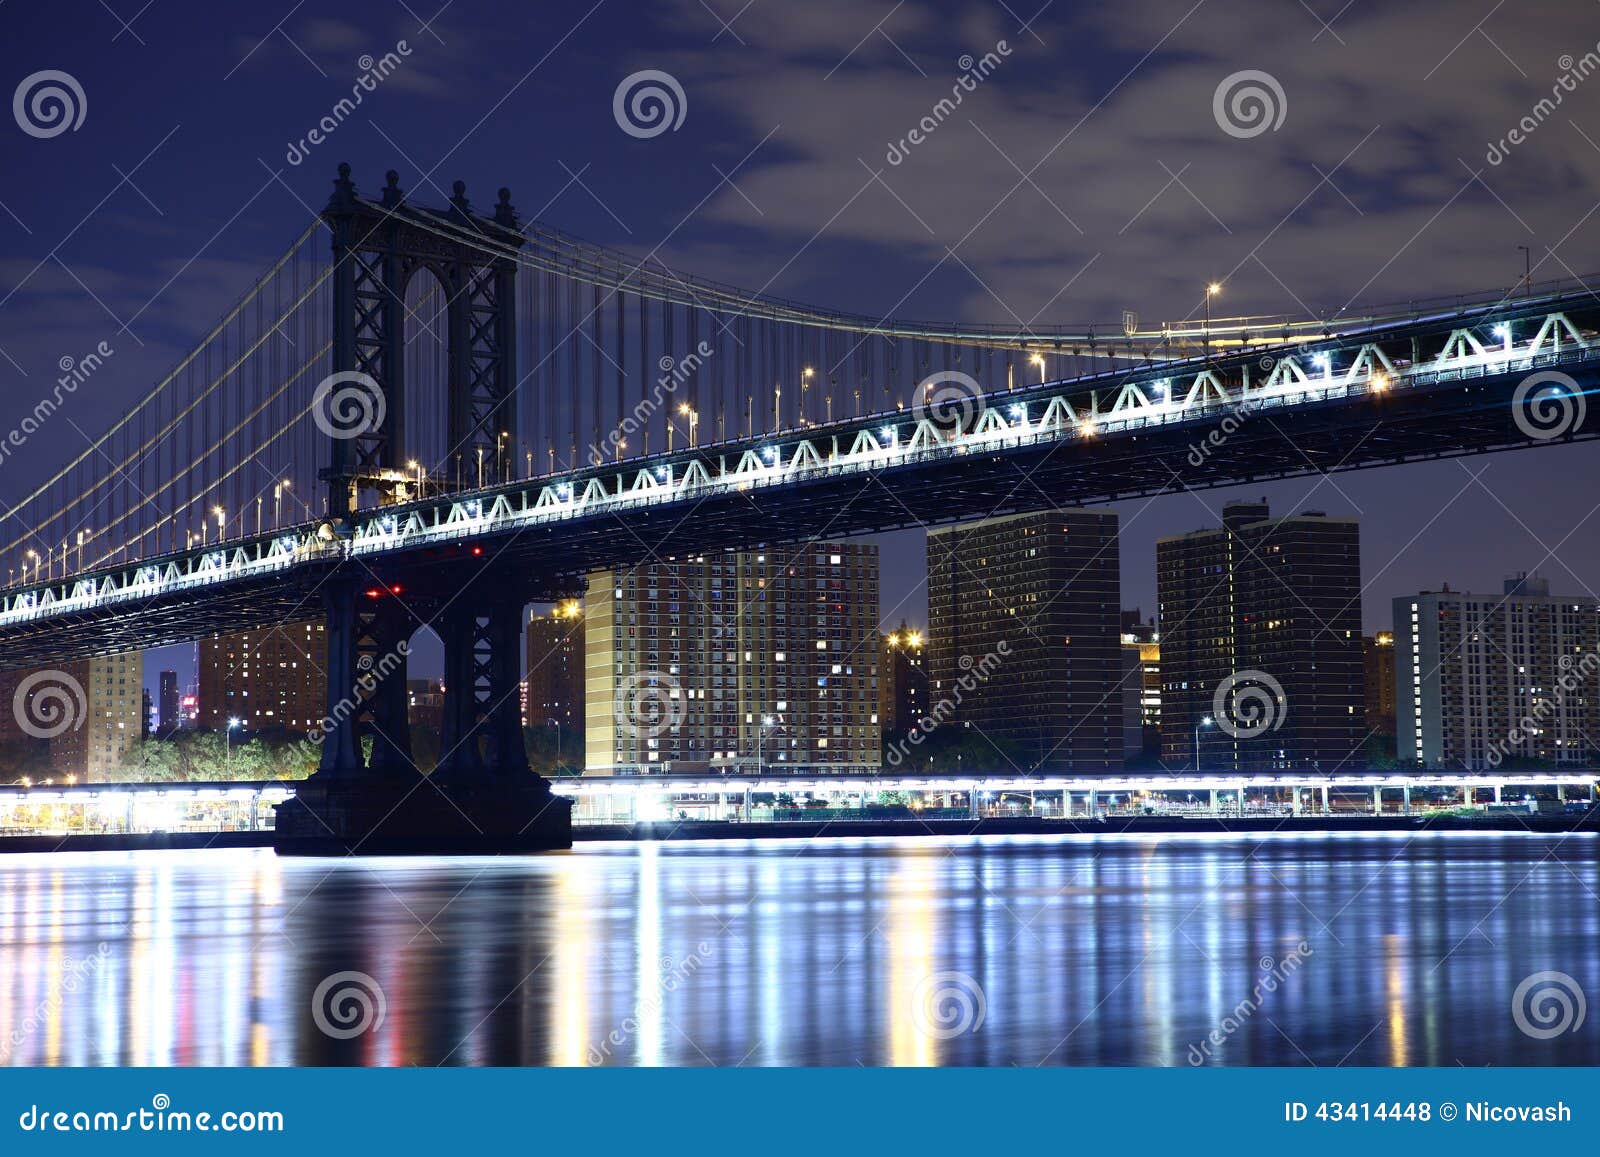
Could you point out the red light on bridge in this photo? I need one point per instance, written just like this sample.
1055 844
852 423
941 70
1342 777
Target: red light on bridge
477 550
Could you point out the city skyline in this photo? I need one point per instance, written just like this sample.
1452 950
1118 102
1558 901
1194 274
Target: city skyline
1372 237
863 533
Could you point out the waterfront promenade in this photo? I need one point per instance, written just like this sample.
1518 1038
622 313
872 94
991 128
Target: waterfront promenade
87 816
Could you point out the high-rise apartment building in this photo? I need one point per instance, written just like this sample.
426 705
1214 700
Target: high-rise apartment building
1141 651
724 660
167 704
271 679
902 679
1486 679
1377 654
1038 595
113 695
554 687
1261 660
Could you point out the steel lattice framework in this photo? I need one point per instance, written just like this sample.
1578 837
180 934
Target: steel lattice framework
1429 388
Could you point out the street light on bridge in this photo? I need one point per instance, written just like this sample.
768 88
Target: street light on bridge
222 522
1212 290
277 502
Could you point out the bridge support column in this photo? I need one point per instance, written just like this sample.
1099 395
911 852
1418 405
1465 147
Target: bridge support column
482 797
381 677
341 749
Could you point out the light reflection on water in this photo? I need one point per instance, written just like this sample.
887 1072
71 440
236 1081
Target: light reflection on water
1110 951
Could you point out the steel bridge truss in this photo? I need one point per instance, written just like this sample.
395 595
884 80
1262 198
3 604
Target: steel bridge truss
1427 390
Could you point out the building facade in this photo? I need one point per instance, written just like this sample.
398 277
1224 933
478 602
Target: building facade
902 679
1377 654
1141 651
270 680
108 718
1261 664
554 686
1486 679
425 703
1039 596
726 660
168 720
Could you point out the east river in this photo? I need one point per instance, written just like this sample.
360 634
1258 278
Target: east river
1357 950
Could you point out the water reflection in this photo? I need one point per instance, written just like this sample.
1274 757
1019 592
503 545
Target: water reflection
1111 951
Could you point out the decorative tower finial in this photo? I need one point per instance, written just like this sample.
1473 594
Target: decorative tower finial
392 196
505 213
459 198
344 189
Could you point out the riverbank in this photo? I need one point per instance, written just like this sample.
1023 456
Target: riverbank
855 829
1111 825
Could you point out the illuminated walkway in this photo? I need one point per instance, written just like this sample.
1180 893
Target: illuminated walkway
117 809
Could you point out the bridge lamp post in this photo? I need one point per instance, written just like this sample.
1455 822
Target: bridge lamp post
777 407
805 384
480 467
222 522
1211 291
83 536
1038 360
499 460
33 554
277 502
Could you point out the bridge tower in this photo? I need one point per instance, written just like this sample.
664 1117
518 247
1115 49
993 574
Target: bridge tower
482 796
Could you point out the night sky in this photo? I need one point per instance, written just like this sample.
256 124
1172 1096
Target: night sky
1086 175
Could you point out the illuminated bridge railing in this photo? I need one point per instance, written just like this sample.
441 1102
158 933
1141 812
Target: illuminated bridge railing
1115 403
1012 420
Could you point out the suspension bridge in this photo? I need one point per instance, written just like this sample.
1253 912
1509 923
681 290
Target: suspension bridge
436 415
